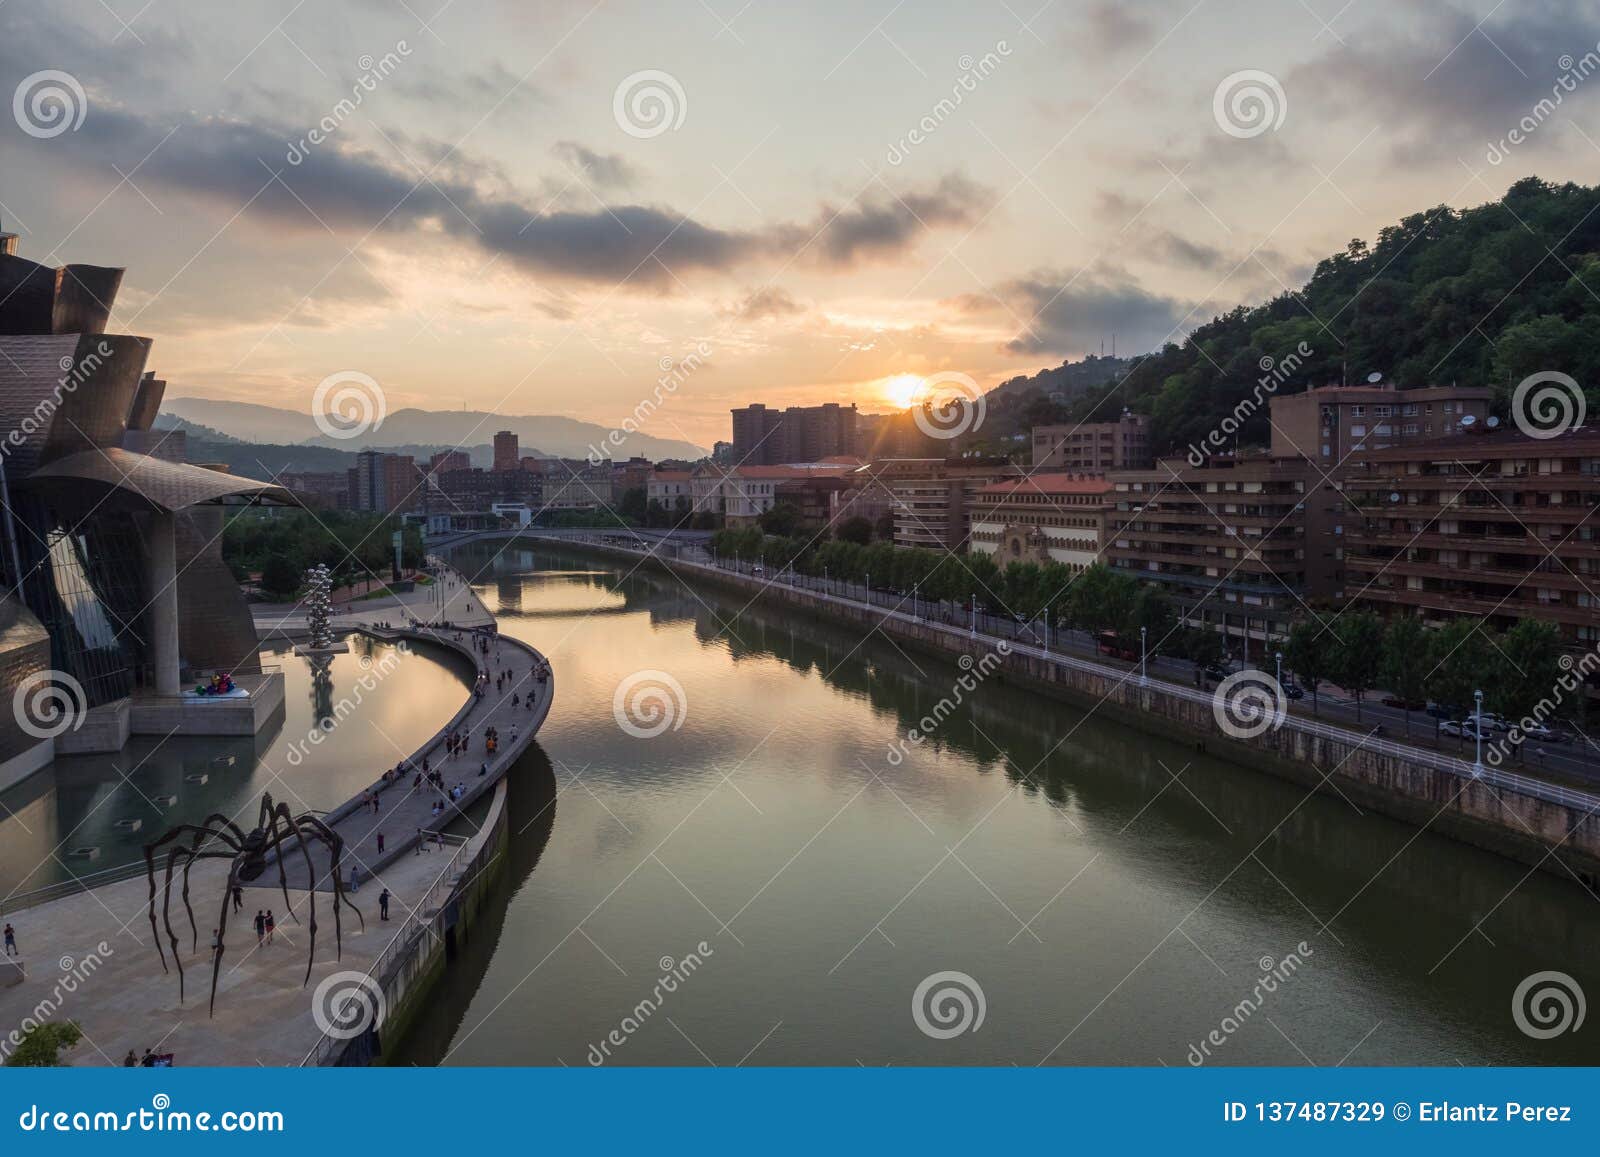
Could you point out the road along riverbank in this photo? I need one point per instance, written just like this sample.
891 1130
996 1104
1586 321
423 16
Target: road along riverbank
1547 826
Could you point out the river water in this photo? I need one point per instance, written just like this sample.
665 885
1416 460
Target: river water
764 882
92 813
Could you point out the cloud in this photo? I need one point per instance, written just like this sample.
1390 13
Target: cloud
603 170
1064 314
280 175
1451 85
766 304
884 225
1109 29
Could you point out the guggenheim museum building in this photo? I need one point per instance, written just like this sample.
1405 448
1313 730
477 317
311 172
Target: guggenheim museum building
115 597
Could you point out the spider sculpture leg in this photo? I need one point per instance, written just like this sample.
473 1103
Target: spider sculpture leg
311 891
336 843
269 824
194 848
188 857
222 931
150 851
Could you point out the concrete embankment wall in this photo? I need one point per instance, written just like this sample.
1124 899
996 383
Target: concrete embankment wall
1557 837
422 960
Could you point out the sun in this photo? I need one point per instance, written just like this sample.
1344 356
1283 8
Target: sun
902 390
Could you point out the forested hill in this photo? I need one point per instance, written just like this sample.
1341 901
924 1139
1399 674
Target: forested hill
1484 296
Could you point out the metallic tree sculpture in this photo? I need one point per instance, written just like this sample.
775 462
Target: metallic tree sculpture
319 604
219 838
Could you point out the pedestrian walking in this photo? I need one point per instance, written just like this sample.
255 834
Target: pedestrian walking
11 941
271 924
383 905
261 926
216 943
380 843
238 899
130 1061
355 878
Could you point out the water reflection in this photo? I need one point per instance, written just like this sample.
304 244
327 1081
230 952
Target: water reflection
114 804
1114 892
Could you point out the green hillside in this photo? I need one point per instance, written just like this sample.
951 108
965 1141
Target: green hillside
1483 296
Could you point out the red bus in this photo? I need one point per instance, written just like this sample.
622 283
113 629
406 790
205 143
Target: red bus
1107 643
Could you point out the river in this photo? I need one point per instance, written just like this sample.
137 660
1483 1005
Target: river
771 878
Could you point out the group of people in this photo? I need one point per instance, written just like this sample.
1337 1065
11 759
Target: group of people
265 923
150 1060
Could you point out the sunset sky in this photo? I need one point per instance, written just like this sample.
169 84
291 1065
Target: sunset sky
482 231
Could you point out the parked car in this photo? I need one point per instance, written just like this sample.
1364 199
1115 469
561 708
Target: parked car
1464 728
1400 704
1292 690
1489 721
1442 710
1541 733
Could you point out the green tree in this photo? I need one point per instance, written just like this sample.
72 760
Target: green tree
41 1045
1462 660
1309 653
857 530
281 575
1407 651
1357 654
782 519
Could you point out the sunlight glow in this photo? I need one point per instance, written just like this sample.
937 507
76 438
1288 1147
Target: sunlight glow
902 390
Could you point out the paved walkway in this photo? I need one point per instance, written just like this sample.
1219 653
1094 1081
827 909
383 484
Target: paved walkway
89 957
511 699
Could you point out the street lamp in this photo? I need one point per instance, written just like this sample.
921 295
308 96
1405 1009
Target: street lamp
1278 655
972 631
1477 733
914 587
1143 631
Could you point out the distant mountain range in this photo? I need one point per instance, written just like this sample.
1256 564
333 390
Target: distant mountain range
416 431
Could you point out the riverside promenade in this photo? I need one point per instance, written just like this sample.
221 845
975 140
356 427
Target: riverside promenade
89 956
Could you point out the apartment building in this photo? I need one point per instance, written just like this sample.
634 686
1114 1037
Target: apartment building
767 437
671 489
1338 426
1496 526
1095 447
1042 518
505 450
933 498
1241 543
384 483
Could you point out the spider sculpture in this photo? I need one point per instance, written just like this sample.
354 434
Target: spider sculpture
219 838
